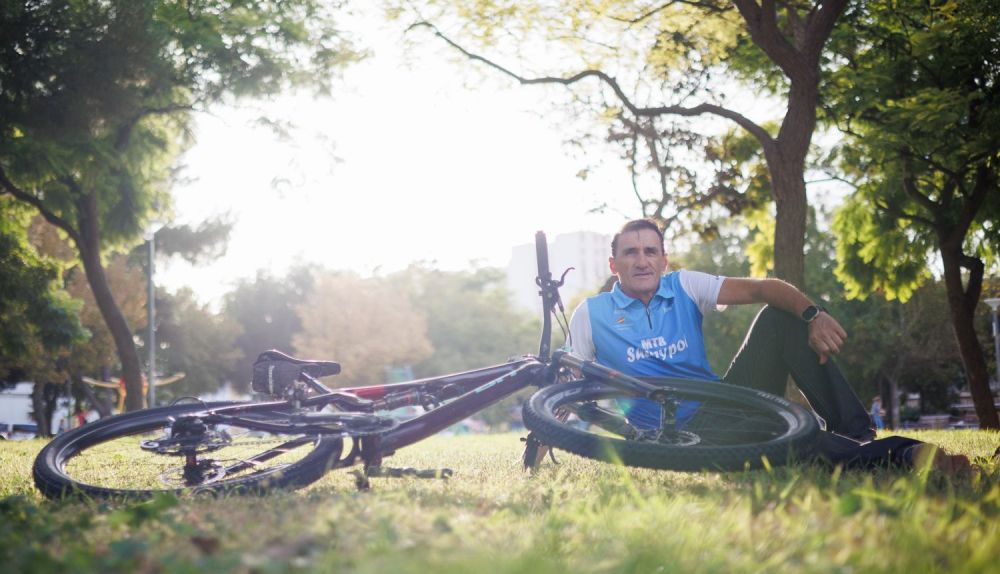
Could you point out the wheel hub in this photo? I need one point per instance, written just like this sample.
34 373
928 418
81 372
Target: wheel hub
188 436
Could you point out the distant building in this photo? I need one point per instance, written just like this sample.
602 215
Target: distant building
587 252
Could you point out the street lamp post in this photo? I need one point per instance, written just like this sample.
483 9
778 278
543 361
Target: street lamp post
150 235
994 303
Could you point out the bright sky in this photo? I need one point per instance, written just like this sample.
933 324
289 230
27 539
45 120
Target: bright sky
404 163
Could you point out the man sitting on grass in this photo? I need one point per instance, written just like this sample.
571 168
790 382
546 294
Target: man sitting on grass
649 325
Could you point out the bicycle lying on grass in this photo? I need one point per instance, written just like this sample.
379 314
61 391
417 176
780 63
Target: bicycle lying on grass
241 447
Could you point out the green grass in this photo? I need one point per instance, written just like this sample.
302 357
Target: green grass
580 516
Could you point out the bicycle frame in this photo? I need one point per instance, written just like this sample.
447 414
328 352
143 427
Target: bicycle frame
475 390
469 392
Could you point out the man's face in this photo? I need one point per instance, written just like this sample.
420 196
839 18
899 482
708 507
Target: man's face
639 263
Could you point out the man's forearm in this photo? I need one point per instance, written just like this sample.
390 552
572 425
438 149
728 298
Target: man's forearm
785 296
774 292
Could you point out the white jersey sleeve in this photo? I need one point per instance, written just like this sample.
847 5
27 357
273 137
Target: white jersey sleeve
703 289
581 337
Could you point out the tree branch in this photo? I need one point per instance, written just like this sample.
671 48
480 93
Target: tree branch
985 181
21 195
125 130
820 27
762 22
911 189
900 214
709 6
746 123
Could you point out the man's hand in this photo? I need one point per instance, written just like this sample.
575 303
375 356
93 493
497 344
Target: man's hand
826 336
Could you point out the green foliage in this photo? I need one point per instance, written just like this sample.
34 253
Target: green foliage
918 97
906 343
98 95
877 254
643 71
37 316
96 99
470 320
580 516
195 341
196 244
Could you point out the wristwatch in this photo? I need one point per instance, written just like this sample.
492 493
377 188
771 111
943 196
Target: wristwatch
810 313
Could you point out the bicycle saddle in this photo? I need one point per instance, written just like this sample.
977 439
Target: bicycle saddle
314 368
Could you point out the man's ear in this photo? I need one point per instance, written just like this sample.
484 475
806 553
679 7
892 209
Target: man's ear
611 264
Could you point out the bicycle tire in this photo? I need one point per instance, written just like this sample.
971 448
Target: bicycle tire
54 480
779 431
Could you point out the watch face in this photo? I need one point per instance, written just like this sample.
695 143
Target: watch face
810 313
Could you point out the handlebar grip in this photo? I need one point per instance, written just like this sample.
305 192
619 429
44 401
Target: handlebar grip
542 255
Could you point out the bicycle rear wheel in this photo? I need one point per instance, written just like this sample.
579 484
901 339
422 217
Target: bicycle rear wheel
707 425
138 454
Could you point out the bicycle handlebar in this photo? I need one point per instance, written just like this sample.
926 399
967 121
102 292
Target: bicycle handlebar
544 282
605 374
542 256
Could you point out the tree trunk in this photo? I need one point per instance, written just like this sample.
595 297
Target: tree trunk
40 411
90 254
786 160
790 222
102 408
962 306
894 404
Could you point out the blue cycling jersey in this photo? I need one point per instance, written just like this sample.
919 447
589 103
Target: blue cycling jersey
661 339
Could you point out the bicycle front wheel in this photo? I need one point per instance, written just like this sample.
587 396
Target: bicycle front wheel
138 454
700 425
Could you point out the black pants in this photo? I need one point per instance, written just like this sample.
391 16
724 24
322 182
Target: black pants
777 346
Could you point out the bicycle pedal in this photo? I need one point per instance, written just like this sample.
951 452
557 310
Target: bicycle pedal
393 472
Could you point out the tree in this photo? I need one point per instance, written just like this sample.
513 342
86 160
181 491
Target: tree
38 318
470 320
919 100
894 346
197 244
97 356
194 341
97 97
35 310
676 50
365 324
265 311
